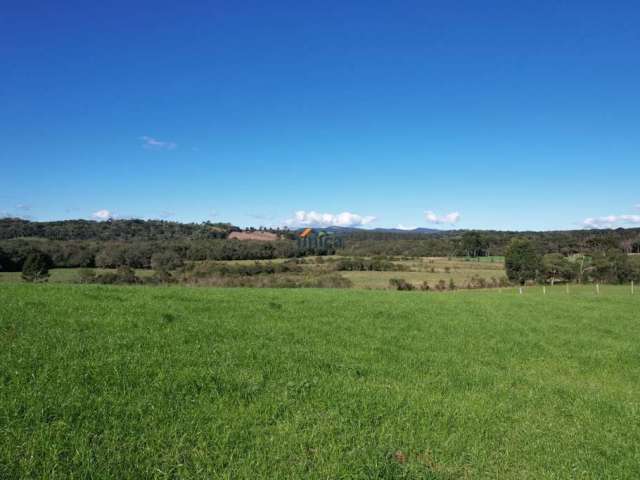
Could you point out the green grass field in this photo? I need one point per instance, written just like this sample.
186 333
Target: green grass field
177 382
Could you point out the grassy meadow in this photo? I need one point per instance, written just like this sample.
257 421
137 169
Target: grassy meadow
419 270
176 382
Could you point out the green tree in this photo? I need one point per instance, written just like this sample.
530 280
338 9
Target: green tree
473 244
36 267
522 261
611 266
555 266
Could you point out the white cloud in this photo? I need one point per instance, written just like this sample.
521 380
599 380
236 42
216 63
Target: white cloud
315 219
103 214
637 206
23 206
610 220
404 227
449 218
151 143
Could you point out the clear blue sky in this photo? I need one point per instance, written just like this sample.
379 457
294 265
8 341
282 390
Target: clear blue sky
512 115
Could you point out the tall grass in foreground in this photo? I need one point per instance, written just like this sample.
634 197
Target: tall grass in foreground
140 382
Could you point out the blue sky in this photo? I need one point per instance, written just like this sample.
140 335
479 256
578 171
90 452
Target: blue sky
497 114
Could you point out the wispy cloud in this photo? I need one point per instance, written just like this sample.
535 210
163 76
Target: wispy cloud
103 214
167 214
315 219
151 143
610 221
448 219
23 206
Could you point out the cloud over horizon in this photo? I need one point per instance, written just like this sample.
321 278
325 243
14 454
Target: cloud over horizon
151 143
314 219
610 221
448 219
103 214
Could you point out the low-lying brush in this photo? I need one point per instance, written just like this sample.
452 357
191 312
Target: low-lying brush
124 276
368 265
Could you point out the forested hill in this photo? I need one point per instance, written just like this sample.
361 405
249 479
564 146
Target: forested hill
112 230
418 242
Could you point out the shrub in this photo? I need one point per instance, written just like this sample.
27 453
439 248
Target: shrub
441 285
365 265
424 286
159 277
477 282
36 267
167 260
452 284
401 284
86 275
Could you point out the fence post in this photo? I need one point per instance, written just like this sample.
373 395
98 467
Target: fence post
520 290
597 289
544 290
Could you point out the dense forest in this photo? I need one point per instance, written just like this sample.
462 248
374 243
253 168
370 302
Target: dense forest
143 243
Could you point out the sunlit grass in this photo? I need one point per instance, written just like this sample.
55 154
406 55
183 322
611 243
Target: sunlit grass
139 382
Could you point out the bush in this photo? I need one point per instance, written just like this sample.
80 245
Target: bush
36 267
86 275
166 261
441 285
452 284
424 286
159 277
401 284
365 265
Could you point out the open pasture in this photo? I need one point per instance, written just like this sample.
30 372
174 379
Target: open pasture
175 382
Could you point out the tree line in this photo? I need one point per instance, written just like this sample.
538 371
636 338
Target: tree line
487 242
605 263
